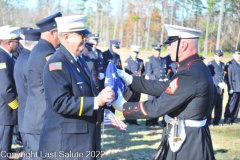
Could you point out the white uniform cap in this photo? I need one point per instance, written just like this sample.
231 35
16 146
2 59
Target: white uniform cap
176 32
135 49
76 23
8 32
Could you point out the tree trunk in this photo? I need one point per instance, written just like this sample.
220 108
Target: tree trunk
236 47
121 24
162 19
97 18
220 25
206 37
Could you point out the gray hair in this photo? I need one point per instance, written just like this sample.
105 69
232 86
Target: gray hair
28 43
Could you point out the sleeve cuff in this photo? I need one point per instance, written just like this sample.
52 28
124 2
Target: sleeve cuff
95 103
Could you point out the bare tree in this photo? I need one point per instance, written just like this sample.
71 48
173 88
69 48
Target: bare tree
220 25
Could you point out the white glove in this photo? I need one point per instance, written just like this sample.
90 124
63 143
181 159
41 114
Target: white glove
118 103
231 91
221 85
165 79
101 76
125 77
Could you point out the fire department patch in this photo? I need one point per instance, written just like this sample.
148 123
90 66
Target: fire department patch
172 86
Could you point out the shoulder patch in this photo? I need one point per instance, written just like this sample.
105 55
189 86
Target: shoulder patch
48 56
55 66
3 65
173 86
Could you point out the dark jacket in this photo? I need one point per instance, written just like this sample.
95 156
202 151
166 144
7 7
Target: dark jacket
20 75
115 58
8 92
36 105
135 68
71 124
233 71
217 72
157 68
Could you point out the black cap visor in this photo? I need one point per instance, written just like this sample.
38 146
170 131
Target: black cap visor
171 39
85 31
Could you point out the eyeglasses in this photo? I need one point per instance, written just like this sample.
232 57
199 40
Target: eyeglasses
237 53
84 35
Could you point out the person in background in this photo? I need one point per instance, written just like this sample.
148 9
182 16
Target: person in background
157 68
97 57
9 40
134 66
112 55
216 67
233 75
20 74
36 103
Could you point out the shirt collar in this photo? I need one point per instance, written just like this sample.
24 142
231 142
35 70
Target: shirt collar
10 54
189 59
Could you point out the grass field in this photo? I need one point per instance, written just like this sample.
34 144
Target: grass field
140 142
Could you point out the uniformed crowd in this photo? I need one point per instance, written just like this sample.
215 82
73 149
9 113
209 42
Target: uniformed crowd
52 87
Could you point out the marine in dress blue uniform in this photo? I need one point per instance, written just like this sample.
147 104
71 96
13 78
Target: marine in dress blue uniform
134 66
20 75
111 55
9 39
72 123
186 107
97 57
217 70
36 105
233 72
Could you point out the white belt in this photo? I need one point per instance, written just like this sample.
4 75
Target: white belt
189 123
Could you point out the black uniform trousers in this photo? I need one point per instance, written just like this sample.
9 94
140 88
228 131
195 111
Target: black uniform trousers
217 107
232 108
6 132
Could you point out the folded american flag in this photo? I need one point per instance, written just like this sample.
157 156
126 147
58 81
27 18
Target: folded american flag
111 119
112 80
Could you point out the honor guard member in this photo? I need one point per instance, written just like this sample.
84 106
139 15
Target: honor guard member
134 66
9 39
233 73
97 57
111 55
36 104
20 75
72 123
90 63
171 65
21 44
156 69
186 100
216 67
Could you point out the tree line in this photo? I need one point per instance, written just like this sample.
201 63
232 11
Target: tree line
139 22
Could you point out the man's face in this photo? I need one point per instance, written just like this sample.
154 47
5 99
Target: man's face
77 42
218 58
156 53
54 33
95 42
236 56
172 50
134 55
13 44
115 50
